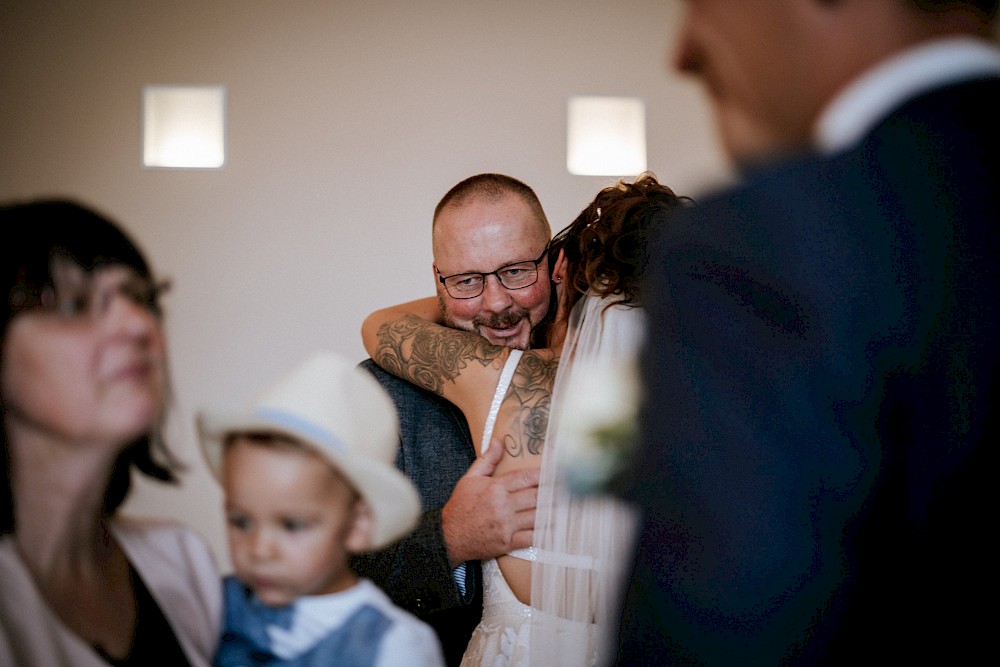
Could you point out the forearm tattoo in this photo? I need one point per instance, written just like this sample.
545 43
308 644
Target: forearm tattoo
427 354
530 398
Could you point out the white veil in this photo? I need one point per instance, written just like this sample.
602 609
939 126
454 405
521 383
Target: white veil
583 542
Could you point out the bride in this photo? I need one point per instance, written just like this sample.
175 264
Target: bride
564 589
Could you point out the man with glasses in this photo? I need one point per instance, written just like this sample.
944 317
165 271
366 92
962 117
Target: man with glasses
490 241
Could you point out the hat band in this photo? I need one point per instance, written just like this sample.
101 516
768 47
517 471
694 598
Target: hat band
294 422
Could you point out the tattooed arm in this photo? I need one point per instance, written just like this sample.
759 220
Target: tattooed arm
464 368
461 366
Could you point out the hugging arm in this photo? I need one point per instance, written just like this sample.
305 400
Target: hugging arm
458 365
486 515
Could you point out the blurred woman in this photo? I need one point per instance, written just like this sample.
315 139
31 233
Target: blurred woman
82 393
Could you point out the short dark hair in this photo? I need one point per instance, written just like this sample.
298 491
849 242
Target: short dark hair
492 187
32 236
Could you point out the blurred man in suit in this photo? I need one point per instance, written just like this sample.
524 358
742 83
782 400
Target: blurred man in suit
822 368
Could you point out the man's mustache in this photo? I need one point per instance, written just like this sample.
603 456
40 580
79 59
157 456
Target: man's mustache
503 320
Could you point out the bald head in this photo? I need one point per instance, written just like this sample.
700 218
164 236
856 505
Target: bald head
492 187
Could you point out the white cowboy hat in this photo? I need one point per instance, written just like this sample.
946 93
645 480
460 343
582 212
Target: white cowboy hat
341 412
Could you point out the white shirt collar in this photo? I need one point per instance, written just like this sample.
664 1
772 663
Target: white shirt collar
316 616
873 95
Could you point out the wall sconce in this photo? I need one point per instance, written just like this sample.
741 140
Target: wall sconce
184 126
606 136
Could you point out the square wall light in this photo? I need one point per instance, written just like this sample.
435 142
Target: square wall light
606 136
184 126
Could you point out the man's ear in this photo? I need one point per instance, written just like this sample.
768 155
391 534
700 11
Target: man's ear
359 533
559 270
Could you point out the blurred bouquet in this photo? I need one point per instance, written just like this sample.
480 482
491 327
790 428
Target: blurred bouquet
601 417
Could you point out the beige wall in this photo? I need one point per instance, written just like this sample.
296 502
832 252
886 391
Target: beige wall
347 121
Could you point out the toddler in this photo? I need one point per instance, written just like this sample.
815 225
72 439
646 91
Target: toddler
308 478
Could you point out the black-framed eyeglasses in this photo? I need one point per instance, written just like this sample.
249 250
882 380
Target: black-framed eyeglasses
512 276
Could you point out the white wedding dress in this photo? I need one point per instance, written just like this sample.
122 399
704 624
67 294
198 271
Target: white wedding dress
580 543
501 638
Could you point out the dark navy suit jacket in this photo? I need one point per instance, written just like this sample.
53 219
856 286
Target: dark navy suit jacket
435 450
822 406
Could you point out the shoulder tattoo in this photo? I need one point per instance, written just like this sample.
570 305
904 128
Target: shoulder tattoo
531 395
428 354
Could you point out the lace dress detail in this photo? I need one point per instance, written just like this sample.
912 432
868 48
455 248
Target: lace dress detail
502 637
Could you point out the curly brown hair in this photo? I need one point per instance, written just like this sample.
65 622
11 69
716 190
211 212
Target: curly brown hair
606 246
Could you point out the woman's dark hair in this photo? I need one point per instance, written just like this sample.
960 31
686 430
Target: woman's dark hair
606 246
34 236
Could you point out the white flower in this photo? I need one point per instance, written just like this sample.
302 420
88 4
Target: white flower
601 411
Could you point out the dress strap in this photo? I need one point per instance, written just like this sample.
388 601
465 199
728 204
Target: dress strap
506 375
